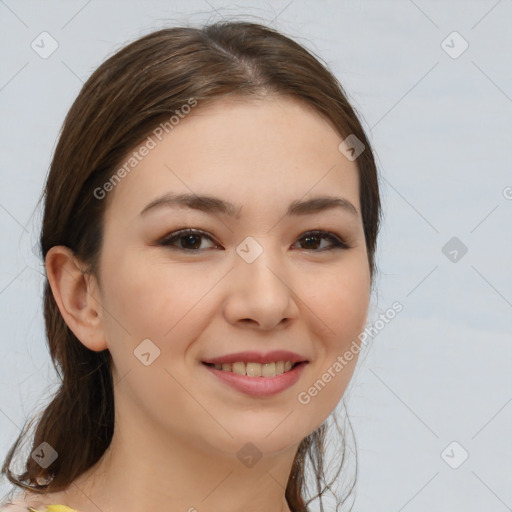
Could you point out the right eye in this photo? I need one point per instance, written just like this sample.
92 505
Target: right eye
185 240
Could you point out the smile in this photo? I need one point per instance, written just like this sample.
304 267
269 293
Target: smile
257 386
256 369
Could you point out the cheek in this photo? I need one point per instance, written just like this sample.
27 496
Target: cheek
340 305
155 300
340 302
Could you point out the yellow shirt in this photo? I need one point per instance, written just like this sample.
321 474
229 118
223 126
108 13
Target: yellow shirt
54 508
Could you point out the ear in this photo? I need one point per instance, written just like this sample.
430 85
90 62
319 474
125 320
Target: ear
76 293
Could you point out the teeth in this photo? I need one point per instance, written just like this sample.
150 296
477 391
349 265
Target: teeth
253 369
268 370
237 368
256 369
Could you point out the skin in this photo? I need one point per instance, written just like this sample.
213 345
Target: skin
178 428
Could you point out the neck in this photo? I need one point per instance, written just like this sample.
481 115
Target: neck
152 472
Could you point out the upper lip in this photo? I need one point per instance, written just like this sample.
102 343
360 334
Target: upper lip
258 357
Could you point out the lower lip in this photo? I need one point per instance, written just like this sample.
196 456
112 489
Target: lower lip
259 386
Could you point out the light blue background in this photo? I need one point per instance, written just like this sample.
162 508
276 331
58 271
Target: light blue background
441 128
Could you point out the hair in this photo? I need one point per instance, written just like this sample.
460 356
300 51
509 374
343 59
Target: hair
125 98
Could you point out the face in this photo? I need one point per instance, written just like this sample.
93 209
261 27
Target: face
249 278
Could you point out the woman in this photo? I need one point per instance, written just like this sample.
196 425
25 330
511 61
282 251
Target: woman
209 231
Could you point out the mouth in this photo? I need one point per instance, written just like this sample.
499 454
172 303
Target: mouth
267 385
251 369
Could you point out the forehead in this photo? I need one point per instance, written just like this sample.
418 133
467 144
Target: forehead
244 150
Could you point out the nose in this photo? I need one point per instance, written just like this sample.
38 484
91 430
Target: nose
260 294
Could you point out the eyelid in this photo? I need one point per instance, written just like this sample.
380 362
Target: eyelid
339 241
175 235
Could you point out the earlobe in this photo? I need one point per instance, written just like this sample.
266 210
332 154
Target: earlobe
76 294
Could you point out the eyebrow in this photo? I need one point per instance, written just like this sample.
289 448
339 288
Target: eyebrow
213 205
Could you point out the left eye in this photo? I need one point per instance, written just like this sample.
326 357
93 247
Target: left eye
190 240
311 237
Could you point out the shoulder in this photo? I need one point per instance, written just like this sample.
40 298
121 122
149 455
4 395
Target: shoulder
30 502
15 507
16 504
33 507
26 504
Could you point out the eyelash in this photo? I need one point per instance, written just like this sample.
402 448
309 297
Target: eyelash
336 241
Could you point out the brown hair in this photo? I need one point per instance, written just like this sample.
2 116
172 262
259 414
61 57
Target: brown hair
118 106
